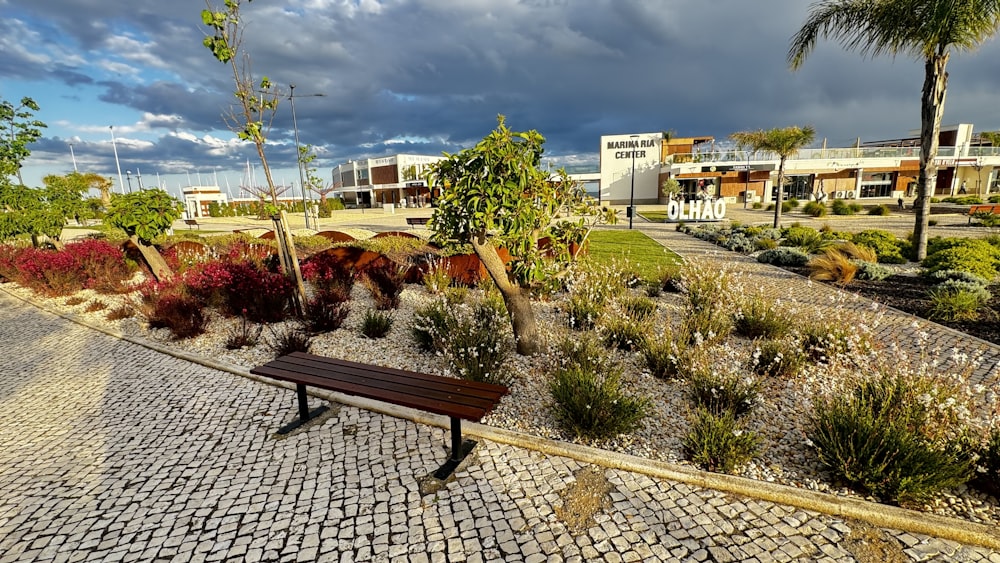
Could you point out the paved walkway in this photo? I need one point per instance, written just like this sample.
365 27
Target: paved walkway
110 451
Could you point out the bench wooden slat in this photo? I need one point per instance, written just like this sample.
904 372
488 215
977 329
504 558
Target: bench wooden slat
477 388
464 412
440 395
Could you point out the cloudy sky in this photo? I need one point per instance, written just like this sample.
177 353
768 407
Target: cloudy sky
425 76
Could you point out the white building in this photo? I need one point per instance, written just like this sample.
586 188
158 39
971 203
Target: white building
399 180
197 199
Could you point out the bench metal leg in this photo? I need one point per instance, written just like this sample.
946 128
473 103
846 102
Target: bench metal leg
459 450
305 415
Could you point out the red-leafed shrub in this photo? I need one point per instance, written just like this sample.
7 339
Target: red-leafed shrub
210 281
103 265
263 295
49 272
8 262
330 273
168 305
386 281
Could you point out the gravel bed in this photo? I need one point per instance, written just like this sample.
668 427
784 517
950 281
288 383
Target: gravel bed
780 418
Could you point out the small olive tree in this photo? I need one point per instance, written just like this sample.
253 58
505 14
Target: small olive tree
494 194
145 216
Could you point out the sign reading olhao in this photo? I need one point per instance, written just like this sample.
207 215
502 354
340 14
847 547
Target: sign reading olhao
696 210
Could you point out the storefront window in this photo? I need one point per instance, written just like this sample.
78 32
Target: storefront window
878 184
798 187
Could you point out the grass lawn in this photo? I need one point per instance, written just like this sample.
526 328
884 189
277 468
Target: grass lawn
646 256
654 216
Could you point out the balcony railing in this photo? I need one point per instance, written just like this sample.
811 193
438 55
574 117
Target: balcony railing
738 156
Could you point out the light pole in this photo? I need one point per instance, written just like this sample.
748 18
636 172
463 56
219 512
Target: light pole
631 197
298 153
73 156
121 182
128 174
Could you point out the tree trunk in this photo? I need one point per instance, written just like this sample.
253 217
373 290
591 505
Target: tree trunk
522 317
779 198
152 257
931 112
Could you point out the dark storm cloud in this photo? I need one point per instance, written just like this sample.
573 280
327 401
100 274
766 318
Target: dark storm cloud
431 75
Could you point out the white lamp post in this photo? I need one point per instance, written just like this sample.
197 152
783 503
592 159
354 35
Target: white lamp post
121 181
631 197
298 153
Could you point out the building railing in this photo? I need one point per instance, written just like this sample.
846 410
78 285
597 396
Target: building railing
737 156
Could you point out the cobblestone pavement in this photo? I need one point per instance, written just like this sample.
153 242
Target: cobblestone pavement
110 451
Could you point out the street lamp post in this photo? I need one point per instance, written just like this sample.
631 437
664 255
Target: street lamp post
128 174
631 197
114 146
298 153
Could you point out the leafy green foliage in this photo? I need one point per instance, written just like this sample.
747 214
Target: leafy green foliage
145 214
760 317
19 130
720 392
815 209
783 257
889 249
955 300
966 255
777 358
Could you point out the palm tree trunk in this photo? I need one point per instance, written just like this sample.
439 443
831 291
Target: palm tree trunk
781 193
522 317
931 112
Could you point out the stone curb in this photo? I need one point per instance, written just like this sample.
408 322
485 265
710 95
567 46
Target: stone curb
876 514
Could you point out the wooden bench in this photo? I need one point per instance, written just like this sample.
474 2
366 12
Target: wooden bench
457 399
192 223
976 209
418 221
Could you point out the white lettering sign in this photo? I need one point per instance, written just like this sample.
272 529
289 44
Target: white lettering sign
696 210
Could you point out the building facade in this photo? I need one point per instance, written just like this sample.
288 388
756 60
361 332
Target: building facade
398 180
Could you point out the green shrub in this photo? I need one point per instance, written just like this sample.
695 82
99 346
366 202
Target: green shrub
802 237
589 399
760 317
793 203
770 207
880 209
182 314
945 275
964 200
855 207
720 392
717 442
386 282
871 271
777 358
783 257
994 199
475 342
966 255
436 277
954 301
875 438
887 246
786 206
376 323
765 243
841 207
822 341
623 333
665 353
583 312
757 205
815 209
986 218
430 324
639 309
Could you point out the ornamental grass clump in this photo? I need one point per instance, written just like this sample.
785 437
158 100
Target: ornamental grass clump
244 334
889 435
286 340
168 305
325 312
436 277
474 339
386 282
718 442
583 312
815 209
708 311
623 333
588 394
723 391
665 354
956 301
430 325
780 357
639 309
376 324
760 317
832 266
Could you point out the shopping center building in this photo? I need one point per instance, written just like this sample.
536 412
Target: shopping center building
634 167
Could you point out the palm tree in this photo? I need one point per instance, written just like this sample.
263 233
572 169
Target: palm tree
993 137
785 142
925 29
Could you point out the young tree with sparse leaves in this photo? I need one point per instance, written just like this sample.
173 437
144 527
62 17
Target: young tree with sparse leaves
784 142
19 131
928 30
494 194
